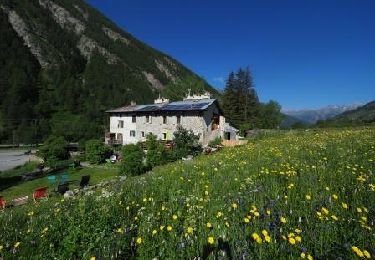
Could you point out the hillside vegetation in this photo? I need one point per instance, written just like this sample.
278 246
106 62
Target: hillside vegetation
62 64
306 194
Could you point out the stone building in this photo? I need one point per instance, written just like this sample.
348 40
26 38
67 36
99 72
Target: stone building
199 113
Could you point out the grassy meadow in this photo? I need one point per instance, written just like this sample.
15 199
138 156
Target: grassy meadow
297 194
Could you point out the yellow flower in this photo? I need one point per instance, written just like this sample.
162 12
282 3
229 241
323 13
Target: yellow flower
335 197
308 197
297 230
154 232
1 247
174 217
309 257
227 224
357 251
163 208
211 240
92 258
206 192
139 240
169 228
257 238
190 230
292 241
268 212
45 230
334 217
303 255
367 254
234 205
283 220
265 232
267 239
256 213
209 225
298 239
219 214
246 220
344 205
325 211
161 228
120 230
17 244
359 210
31 213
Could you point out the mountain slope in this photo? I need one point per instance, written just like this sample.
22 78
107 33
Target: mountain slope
362 115
62 64
311 116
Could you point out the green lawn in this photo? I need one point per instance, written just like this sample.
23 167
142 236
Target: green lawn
97 173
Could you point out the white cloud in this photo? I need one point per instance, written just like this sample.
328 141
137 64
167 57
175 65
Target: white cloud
219 79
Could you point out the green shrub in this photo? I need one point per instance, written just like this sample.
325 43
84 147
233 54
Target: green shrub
96 151
132 160
185 143
156 154
217 141
54 149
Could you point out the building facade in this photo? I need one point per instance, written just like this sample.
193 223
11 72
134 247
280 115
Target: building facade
201 114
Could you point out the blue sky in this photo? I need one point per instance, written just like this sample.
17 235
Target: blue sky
303 53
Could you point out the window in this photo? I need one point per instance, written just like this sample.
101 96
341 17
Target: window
148 119
178 120
143 134
132 133
120 124
134 119
164 119
164 136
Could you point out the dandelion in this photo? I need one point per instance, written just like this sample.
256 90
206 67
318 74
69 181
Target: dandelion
309 257
268 212
367 254
359 210
31 213
174 217
227 224
154 232
334 217
234 205
190 230
219 214
297 230
291 240
256 214
265 232
335 197
298 239
283 220
169 228
209 225
303 255
120 231
1 247
344 205
256 238
163 208
17 244
267 239
325 211
357 251
161 228
139 240
92 258
246 220
211 240
308 197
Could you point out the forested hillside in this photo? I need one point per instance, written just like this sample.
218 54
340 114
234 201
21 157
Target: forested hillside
62 64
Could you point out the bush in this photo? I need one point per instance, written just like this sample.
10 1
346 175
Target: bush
156 154
185 143
217 141
96 151
132 160
54 149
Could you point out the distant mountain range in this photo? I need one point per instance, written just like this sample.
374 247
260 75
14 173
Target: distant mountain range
311 116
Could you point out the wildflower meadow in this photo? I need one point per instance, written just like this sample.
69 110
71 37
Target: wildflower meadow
288 195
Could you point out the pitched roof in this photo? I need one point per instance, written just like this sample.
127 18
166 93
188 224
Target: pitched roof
185 105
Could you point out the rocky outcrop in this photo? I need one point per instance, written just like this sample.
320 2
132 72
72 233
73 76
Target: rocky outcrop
24 32
63 17
84 14
165 70
88 46
155 83
115 36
